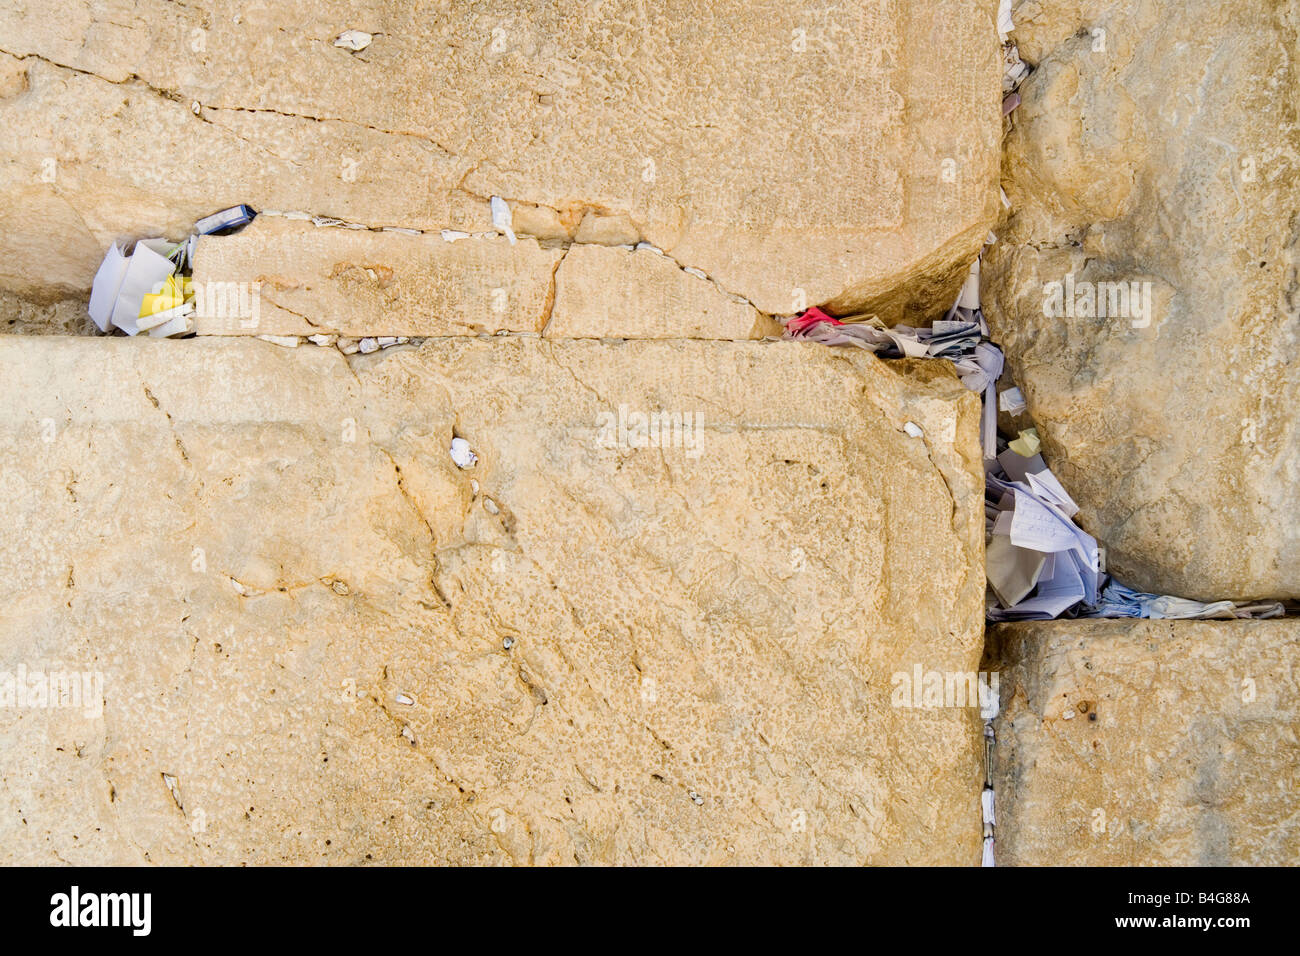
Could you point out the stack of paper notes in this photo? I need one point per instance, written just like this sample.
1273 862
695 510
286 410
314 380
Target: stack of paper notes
150 290
1040 564
145 291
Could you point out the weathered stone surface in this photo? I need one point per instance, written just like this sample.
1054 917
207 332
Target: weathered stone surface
285 277
22 316
1183 748
795 153
258 550
1159 143
619 293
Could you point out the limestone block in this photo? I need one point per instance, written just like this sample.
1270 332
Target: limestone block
285 277
796 152
604 292
1148 743
307 636
1145 287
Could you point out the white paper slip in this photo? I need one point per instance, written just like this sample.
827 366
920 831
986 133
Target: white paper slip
1059 588
149 266
179 325
1011 401
1018 467
1034 526
1045 483
108 281
148 322
1012 572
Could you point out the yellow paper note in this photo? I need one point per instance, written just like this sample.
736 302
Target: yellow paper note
169 296
1027 445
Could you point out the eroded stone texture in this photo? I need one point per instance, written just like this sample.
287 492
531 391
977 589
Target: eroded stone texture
1158 143
285 277
620 293
1183 747
797 153
300 608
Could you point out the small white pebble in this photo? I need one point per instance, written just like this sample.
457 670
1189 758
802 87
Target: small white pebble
368 345
322 339
288 341
913 429
239 588
696 799
461 453
508 643
402 340
340 588
473 485
405 699
353 40
644 246
1068 714
403 230
196 108
386 340
408 734
699 274
451 235
349 347
490 506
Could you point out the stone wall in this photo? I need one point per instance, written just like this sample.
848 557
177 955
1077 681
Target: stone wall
1148 743
795 154
1157 148
310 637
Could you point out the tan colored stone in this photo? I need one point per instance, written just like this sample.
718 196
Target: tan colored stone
1183 748
62 316
617 293
299 606
607 230
282 277
796 153
132 163
540 222
1157 145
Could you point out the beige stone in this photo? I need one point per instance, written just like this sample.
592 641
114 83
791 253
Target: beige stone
605 292
1148 743
1157 144
796 153
284 277
299 607
607 230
540 222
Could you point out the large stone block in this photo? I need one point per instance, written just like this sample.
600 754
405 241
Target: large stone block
302 634
1148 743
618 293
1156 149
797 153
282 277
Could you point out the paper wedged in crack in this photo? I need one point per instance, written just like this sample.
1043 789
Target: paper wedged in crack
795 152
336 651
1144 743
